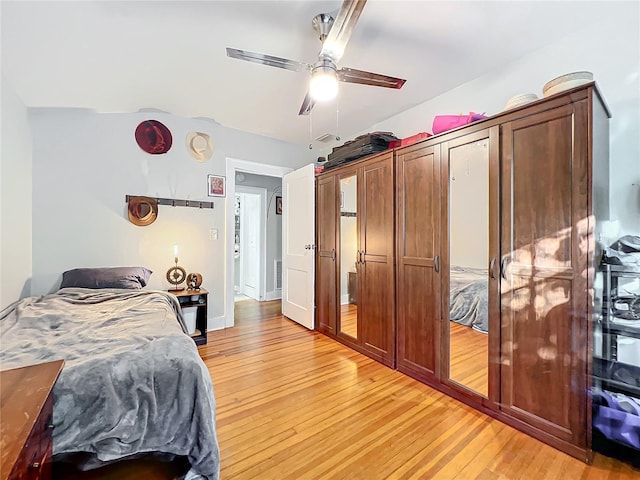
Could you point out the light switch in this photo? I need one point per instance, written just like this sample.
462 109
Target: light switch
213 234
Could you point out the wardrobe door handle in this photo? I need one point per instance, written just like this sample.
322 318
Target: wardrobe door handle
436 263
503 267
333 254
492 266
362 257
358 256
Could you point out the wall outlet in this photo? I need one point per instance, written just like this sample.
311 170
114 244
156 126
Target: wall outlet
213 234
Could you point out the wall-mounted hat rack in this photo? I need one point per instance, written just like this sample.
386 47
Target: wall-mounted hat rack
172 202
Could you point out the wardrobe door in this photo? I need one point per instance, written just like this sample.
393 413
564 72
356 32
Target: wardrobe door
326 291
418 250
349 325
544 329
376 269
470 284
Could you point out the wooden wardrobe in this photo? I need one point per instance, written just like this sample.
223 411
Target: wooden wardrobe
355 235
493 254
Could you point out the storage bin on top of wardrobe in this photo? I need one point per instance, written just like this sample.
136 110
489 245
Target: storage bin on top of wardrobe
493 225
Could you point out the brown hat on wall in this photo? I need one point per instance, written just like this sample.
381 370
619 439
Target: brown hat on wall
143 211
153 137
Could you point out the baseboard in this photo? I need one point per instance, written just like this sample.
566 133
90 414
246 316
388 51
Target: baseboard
273 295
215 323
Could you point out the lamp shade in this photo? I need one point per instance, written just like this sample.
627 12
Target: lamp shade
324 83
323 87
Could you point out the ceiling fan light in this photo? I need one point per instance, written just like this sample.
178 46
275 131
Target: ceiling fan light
323 86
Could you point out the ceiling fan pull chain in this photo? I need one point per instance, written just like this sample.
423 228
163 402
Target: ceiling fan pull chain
310 132
338 117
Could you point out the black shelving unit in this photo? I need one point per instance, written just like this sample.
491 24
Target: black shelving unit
607 369
609 373
198 299
610 327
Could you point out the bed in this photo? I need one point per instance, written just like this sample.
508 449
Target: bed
133 382
468 297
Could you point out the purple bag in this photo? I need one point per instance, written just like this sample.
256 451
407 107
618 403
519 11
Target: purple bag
617 417
442 123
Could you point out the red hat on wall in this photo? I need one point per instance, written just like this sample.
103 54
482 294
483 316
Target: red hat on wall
153 137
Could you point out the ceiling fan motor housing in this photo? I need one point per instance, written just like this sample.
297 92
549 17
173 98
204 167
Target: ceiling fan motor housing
324 66
322 24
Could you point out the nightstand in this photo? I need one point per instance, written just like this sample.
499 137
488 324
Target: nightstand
26 407
197 299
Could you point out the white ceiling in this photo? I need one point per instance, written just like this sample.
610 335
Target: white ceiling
170 55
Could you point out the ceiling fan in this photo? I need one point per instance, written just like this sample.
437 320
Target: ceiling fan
334 35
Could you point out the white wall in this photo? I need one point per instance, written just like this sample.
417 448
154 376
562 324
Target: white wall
610 49
15 198
85 163
469 205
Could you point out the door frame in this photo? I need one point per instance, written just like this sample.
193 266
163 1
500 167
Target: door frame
262 248
234 165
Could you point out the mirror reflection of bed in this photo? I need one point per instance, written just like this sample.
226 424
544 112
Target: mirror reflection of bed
468 328
468 260
348 256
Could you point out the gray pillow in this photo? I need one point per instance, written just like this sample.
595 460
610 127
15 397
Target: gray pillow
106 277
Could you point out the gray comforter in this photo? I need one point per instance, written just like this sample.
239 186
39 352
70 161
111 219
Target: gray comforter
468 298
133 381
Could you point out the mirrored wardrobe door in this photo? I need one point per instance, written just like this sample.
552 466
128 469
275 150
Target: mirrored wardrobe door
468 262
349 256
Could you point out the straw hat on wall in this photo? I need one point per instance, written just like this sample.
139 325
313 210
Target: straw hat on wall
199 146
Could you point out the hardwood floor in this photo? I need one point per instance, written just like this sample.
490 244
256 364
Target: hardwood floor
469 352
293 404
349 319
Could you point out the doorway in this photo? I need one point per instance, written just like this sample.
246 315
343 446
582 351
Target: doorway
240 174
249 242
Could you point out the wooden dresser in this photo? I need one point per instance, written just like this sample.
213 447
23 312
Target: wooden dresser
26 405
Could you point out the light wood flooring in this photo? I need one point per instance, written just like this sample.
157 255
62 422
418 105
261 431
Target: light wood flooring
349 319
469 352
294 404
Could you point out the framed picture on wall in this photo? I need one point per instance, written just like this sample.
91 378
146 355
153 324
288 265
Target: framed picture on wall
278 205
215 186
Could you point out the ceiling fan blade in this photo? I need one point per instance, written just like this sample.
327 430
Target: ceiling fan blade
307 105
268 60
342 28
350 75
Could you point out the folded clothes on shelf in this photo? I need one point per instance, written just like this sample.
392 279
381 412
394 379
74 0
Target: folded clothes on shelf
624 251
626 307
626 322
